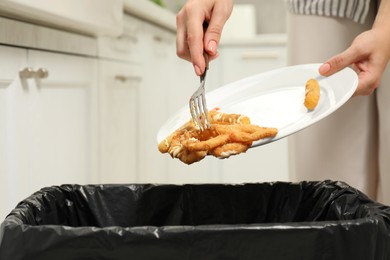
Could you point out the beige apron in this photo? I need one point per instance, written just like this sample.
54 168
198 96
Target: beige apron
352 144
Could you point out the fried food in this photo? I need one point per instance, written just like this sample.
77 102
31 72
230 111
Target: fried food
229 134
226 150
223 118
312 94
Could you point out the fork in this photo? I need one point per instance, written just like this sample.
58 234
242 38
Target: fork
198 106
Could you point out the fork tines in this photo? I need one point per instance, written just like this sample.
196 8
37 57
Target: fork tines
198 106
199 111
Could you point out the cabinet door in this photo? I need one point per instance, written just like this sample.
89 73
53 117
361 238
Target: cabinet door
62 120
154 104
240 62
265 163
167 86
13 130
125 47
119 122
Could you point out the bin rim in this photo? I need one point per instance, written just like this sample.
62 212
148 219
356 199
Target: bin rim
12 221
374 218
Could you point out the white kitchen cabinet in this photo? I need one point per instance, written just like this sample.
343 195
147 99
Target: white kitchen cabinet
240 59
243 58
121 80
157 60
158 84
13 129
132 102
119 88
62 119
127 47
48 126
167 84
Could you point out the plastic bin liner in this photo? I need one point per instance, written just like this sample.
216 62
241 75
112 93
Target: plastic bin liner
307 220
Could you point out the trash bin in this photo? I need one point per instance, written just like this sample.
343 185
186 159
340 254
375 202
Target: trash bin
307 220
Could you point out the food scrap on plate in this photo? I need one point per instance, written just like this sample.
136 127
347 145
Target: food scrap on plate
229 134
312 94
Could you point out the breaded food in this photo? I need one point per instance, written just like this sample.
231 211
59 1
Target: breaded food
226 150
223 118
312 94
229 134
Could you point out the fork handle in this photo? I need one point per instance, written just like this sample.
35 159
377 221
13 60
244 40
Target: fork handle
206 59
205 55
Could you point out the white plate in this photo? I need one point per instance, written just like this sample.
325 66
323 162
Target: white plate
275 99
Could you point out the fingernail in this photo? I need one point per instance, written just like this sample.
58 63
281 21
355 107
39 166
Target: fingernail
212 47
324 68
197 70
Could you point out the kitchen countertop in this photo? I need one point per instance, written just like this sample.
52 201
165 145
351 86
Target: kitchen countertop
89 17
151 12
107 19
86 16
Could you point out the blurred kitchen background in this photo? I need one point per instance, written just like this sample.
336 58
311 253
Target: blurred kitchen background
86 84
266 16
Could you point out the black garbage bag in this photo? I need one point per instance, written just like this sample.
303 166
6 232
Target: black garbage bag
308 220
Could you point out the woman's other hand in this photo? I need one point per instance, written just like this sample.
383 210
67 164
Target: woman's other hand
368 54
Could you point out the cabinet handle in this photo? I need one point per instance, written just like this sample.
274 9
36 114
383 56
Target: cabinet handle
157 38
124 78
26 73
42 73
128 38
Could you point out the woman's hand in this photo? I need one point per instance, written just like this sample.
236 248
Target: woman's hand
368 55
191 39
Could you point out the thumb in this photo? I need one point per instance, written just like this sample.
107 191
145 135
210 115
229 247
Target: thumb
212 37
338 62
214 29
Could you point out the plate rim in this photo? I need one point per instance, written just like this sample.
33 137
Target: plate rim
313 66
